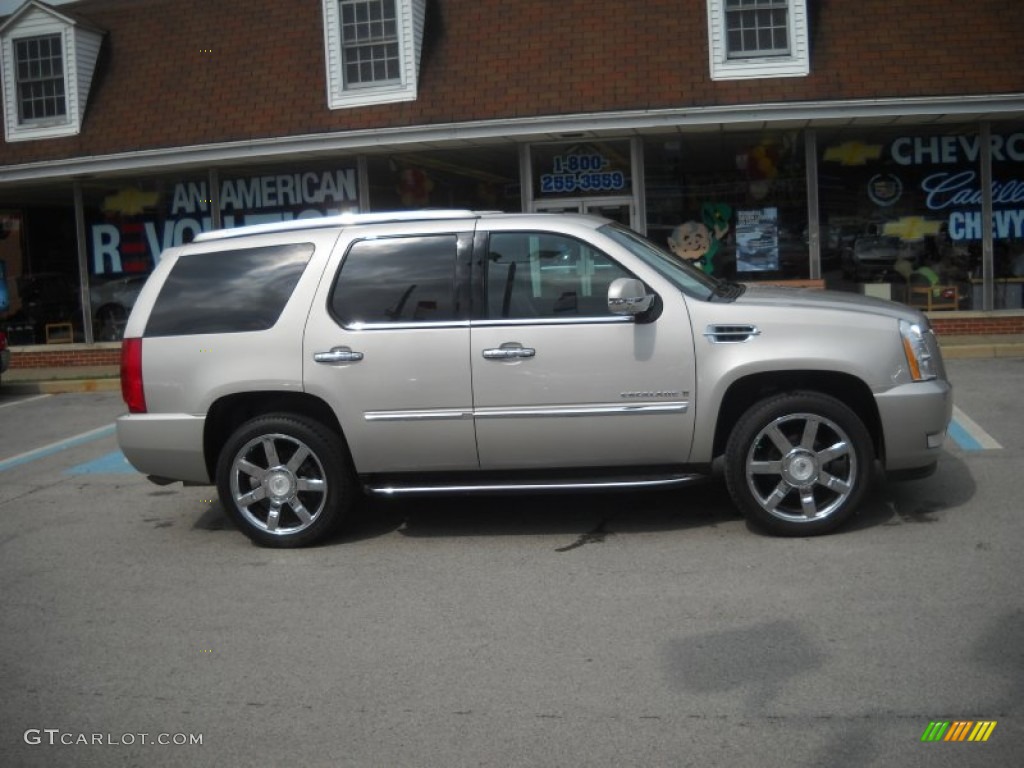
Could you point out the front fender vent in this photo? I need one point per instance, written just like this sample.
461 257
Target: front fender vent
731 334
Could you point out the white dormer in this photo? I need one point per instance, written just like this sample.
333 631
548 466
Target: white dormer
372 50
47 59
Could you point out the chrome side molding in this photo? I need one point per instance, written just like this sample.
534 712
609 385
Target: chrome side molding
528 412
563 411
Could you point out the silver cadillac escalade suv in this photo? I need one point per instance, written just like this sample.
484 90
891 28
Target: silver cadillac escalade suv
299 364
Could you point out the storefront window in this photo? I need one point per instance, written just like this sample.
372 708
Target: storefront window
735 204
476 178
1007 215
11 266
130 222
279 193
901 211
39 286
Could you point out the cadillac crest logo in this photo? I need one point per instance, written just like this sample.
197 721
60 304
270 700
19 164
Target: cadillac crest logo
884 189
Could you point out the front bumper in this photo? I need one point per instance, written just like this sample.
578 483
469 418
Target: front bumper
914 418
165 445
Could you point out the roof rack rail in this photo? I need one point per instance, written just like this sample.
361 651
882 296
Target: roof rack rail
339 220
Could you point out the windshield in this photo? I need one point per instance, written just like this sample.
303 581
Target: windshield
689 280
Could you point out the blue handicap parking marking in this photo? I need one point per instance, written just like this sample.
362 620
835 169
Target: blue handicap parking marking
54 448
111 464
963 438
969 435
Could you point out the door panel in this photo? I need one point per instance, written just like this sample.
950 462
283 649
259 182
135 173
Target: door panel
393 350
406 405
558 381
591 395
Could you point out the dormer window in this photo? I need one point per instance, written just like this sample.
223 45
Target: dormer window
758 38
756 28
39 62
372 50
47 60
369 43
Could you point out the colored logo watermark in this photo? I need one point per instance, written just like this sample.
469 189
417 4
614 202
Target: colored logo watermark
958 730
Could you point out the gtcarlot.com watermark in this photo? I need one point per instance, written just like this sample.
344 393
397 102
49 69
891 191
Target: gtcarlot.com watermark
57 736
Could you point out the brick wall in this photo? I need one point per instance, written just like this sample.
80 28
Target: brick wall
185 72
976 323
65 355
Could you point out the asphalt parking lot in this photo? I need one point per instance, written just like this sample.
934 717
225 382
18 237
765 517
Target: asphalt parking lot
650 629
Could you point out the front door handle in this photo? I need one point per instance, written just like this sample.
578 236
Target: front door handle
338 355
509 351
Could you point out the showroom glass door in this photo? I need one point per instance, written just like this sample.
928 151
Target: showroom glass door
615 208
591 176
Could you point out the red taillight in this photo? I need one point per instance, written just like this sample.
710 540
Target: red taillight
131 376
3 341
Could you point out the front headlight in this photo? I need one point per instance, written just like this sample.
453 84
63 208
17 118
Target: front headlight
915 347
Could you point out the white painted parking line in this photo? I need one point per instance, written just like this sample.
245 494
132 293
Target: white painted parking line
25 400
969 435
60 445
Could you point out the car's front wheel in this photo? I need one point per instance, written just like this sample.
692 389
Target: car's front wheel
798 464
285 480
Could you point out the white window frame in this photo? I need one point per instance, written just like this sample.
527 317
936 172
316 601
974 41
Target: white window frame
368 45
17 129
796 63
341 96
60 118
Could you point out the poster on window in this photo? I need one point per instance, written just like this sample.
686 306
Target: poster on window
757 240
10 259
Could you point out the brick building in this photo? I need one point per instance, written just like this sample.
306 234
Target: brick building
774 139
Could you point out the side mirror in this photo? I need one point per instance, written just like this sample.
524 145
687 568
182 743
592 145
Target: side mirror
628 296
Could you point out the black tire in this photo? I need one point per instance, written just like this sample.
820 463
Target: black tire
285 480
798 464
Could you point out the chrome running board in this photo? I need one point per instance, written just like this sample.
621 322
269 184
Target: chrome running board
528 486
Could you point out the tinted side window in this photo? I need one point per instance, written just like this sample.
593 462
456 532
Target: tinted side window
397 280
542 275
228 291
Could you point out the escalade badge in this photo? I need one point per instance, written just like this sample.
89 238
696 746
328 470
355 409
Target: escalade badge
632 395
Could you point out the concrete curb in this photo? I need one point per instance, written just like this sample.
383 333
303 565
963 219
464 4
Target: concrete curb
59 386
981 351
979 347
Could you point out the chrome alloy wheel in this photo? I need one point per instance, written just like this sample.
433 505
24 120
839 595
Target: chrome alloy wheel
801 467
278 484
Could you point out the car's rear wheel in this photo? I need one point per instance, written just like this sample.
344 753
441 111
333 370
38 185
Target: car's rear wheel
798 464
285 480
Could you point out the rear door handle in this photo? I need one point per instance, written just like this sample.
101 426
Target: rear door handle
509 351
338 355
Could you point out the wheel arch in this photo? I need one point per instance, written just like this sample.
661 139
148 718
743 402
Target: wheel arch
848 389
231 411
